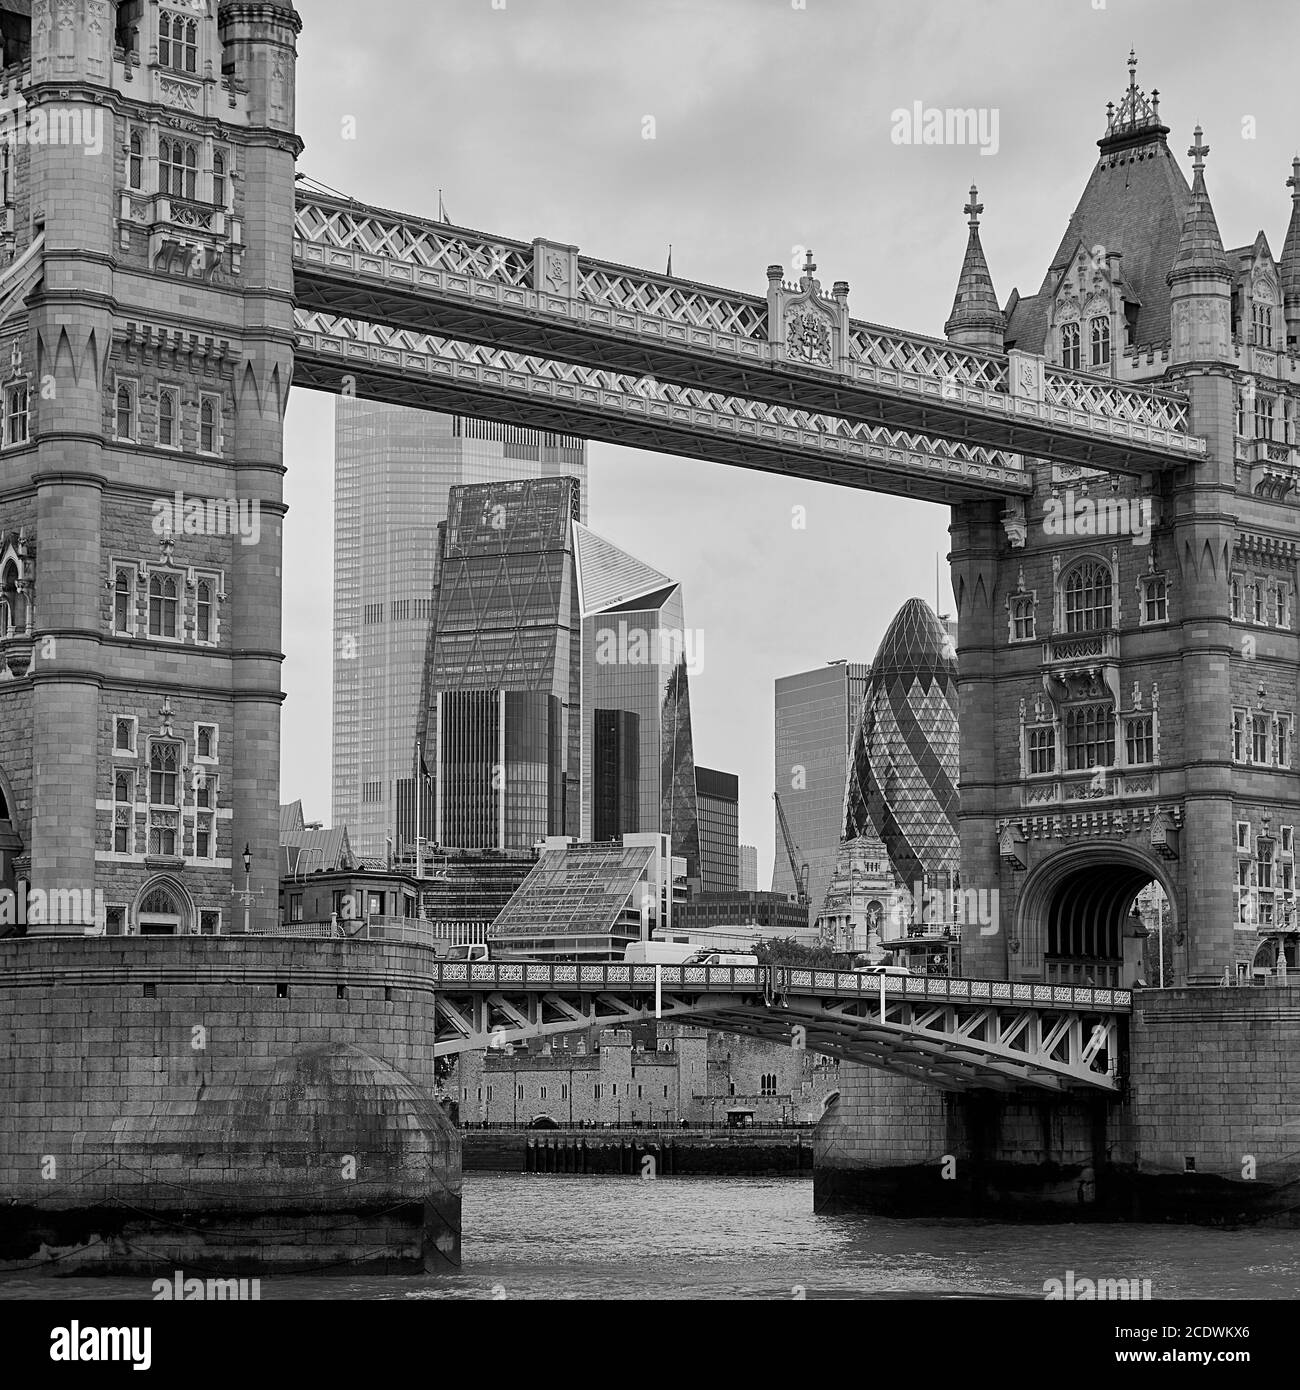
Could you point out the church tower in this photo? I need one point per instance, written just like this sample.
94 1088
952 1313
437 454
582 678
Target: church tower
148 356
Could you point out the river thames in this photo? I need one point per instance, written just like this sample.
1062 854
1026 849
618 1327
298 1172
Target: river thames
535 1236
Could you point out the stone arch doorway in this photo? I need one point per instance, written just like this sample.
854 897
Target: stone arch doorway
163 908
1077 921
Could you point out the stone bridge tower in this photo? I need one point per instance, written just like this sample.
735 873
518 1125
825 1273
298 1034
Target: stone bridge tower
1129 650
146 356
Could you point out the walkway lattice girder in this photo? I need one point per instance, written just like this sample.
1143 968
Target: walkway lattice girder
389 268
435 373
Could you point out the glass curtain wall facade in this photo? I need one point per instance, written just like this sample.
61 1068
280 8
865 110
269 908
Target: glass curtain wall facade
635 653
393 472
616 774
718 799
816 712
902 785
501 706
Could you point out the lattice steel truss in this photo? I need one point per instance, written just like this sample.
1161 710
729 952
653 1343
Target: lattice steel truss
421 369
955 1034
543 299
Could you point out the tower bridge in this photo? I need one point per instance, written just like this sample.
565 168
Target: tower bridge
1127 707
153 338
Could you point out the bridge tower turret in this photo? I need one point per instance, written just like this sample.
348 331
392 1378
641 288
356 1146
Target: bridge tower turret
1200 292
141 463
976 320
1290 263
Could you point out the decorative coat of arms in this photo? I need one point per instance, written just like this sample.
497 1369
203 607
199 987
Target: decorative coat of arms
808 339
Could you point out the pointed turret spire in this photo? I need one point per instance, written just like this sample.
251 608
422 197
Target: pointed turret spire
1200 248
976 320
1290 263
1200 279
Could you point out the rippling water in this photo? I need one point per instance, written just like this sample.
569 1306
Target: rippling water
551 1236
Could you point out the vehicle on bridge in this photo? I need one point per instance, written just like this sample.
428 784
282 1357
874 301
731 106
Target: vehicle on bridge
471 951
660 953
720 958
866 967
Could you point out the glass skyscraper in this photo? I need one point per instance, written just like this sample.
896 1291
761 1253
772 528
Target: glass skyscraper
816 713
501 706
902 784
393 471
718 798
635 662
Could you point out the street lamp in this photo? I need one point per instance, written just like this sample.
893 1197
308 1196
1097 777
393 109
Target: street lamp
248 895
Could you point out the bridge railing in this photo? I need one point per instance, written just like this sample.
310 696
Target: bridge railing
789 979
531 975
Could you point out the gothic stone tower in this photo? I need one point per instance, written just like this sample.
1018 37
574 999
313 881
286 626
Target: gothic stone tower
147 355
1129 651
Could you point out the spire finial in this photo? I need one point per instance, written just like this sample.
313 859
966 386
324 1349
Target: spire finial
1293 183
1132 70
1198 151
974 208
809 265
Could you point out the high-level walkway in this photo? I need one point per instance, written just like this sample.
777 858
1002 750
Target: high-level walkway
425 314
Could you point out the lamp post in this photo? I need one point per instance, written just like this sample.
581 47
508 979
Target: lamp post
247 895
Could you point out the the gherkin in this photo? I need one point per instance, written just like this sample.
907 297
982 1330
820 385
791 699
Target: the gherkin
902 783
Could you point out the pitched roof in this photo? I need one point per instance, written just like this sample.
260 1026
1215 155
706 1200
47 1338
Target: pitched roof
310 851
1135 202
291 817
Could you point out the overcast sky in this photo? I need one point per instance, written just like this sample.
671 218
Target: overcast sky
772 124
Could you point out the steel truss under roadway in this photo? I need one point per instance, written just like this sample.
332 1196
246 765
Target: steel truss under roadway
956 1034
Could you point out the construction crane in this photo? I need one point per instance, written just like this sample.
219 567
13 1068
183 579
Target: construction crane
798 869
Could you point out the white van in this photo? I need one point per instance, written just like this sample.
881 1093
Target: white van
658 953
475 951
724 958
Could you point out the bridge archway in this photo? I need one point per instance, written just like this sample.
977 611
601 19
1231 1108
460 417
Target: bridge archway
163 908
1075 916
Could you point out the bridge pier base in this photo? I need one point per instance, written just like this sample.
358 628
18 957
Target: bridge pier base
1208 1131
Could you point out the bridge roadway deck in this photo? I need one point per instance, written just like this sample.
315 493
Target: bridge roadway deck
953 1033
391 268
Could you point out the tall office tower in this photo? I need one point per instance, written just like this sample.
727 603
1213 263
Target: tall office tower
717 795
902 783
500 709
749 868
393 471
816 713
636 656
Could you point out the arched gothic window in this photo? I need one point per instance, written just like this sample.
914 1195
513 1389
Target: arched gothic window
1070 346
164 605
1101 341
1087 590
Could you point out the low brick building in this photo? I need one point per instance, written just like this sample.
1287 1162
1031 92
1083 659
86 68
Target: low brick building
653 1074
